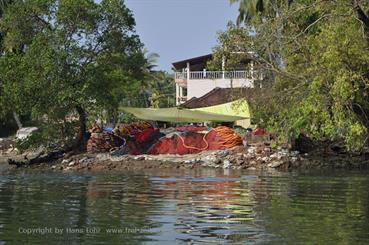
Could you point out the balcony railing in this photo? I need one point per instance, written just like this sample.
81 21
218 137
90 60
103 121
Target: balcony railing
214 75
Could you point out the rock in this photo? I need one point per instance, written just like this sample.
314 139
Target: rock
258 150
72 163
83 159
275 164
226 164
265 159
23 133
10 150
276 156
238 149
139 158
294 153
102 156
284 152
251 150
240 161
65 161
53 167
267 149
210 160
223 153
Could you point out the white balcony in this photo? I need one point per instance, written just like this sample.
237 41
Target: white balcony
198 75
197 83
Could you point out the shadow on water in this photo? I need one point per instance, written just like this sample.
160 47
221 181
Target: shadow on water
184 207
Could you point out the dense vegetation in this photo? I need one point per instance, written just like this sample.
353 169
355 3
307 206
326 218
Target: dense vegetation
316 62
70 60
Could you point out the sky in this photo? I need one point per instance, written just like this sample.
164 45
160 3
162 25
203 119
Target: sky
180 29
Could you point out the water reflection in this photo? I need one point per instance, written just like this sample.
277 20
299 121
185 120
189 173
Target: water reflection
188 207
211 209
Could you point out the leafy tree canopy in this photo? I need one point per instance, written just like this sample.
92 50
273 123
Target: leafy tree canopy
68 56
316 55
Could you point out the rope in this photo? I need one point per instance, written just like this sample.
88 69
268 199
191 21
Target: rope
194 147
228 137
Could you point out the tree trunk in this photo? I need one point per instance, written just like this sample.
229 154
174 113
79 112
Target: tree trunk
363 17
41 158
79 146
82 137
17 120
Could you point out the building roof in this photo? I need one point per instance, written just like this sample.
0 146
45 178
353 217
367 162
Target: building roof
200 60
216 96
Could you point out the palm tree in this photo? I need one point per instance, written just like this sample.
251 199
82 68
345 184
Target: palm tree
151 60
150 76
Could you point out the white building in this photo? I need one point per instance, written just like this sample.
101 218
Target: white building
193 80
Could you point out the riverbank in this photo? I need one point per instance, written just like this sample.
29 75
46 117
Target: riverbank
253 157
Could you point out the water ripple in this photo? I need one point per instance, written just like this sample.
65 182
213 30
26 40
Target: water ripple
185 208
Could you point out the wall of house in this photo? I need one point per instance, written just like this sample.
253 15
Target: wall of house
197 88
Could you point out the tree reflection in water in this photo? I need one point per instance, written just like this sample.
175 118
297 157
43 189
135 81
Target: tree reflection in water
192 206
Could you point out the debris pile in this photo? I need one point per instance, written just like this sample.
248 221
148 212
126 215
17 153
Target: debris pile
102 141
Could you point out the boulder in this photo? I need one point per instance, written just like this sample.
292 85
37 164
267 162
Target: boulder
23 133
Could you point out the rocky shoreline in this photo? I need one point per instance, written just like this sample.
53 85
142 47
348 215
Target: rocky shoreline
238 158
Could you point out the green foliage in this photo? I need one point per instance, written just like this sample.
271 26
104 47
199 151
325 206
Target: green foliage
70 56
163 90
49 136
316 60
234 49
249 9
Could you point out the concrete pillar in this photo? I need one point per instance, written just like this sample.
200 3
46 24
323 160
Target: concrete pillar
223 66
252 73
188 70
177 94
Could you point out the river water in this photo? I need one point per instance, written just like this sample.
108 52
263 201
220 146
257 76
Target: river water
185 207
